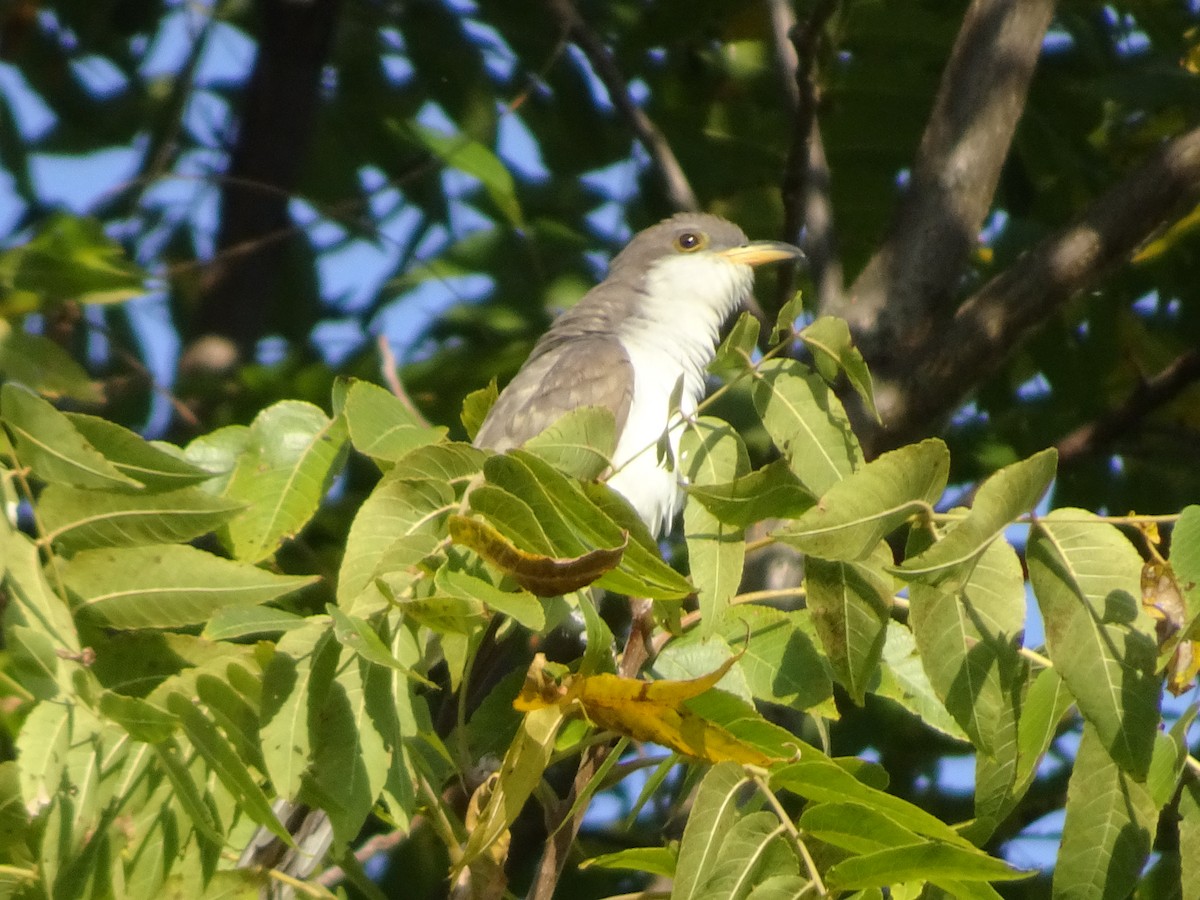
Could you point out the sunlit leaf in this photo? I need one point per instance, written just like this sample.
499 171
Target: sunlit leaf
44 366
581 443
807 423
828 338
382 426
855 514
1109 827
770 492
166 585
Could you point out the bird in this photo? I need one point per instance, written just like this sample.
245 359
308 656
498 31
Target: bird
650 327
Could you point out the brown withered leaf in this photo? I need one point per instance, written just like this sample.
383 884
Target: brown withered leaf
653 711
1163 600
544 576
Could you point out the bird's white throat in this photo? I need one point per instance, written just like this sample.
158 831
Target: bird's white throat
671 335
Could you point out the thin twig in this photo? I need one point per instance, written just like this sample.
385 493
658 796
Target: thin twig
389 369
679 190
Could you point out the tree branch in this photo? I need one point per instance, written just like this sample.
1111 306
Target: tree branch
944 365
1149 395
278 112
679 190
806 182
913 276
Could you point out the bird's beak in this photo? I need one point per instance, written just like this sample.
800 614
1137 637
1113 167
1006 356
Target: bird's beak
758 252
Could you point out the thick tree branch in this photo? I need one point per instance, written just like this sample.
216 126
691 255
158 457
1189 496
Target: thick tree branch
945 365
913 276
1150 394
277 116
806 182
679 190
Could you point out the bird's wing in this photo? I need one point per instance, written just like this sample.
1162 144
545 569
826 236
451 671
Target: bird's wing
584 371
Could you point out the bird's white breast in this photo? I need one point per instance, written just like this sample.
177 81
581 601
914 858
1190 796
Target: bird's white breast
672 335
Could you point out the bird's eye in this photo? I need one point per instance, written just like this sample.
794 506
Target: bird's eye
690 241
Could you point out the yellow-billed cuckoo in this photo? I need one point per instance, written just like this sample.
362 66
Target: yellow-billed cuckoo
653 322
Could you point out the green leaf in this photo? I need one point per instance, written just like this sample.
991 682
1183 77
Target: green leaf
904 681
395 509
519 605
158 465
520 772
851 604
1185 561
828 338
785 321
939 863
652 860
575 524
1189 837
78 519
711 452
753 850
779 656
770 492
579 444
44 366
1109 827
735 354
854 827
382 426
807 423
13 819
42 746
293 456
295 683
29 591
69 258
713 814
1002 498
187 792
166 586
358 635
235 622
854 515
220 756
1087 579
351 757
47 442
477 405
821 779
970 641
144 721
476 160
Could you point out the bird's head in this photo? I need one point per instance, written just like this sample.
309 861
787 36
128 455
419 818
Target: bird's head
693 262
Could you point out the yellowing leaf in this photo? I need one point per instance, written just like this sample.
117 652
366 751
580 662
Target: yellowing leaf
651 711
545 576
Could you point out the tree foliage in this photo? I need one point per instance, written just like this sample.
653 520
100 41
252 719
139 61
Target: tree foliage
307 591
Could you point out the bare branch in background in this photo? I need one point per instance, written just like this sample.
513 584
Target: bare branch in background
807 204
911 281
277 116
679 190
1150 394
986 329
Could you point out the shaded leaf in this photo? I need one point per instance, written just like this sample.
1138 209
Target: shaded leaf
1086 576
44 366
770 492
850 605
1002 498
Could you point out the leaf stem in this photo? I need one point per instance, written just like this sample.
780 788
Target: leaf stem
785 822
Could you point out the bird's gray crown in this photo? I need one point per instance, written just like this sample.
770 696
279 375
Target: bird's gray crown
667 238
